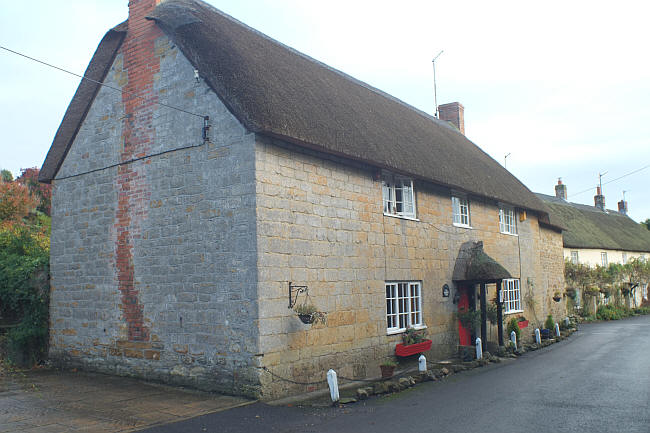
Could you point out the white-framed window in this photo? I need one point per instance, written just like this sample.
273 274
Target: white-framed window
624 258
507 220
603 259
403 306
460 211
575 257
398 197
511 296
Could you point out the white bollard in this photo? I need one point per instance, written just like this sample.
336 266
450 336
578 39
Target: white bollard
567 321
513 338
479 349
422 364
538 336
557 330
333 384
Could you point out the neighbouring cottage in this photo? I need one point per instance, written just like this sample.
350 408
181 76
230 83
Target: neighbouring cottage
230 168
597 236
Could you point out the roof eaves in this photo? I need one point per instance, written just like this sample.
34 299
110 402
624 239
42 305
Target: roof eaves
81 102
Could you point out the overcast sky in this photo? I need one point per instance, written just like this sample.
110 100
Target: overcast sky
563 87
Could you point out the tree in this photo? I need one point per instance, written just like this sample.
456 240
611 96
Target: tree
6 176
24 268
646 223
41 191
15 202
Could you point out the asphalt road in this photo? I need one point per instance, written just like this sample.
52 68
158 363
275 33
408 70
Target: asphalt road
596 381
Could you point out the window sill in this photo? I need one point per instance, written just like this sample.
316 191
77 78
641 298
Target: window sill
509 234
403 330
514 312
404 217
462 226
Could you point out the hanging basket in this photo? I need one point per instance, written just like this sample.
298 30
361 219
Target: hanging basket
557 298
307 319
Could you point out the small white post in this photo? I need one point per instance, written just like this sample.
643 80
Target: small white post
567 321
513 338
422 364
557 330
333 384
538 336
479 349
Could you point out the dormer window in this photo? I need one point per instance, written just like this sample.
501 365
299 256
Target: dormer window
398 197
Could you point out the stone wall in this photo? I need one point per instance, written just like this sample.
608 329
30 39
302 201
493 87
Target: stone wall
321 224
153 242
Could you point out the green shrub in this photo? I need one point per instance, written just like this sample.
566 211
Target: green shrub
642 310
24 290
612 312
513 325
549 324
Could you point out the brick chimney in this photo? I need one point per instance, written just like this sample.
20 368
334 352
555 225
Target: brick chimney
560 189
622 207
454 112
599 199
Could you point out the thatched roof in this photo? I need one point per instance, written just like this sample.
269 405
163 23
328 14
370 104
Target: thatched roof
590 227
81 102
473 264
278 92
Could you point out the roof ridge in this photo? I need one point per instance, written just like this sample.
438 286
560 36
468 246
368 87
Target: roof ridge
326 66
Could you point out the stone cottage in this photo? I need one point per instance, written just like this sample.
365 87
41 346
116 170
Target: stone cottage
217 174
597 236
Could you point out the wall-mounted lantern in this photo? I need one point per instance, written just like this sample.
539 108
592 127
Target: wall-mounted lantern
445 291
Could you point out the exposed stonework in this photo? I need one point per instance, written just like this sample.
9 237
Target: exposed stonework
190 217
320 223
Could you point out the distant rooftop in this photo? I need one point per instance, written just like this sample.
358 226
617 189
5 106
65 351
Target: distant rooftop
590 227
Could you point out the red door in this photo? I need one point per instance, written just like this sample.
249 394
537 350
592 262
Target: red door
464 334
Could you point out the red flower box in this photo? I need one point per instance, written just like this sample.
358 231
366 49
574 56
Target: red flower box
412 349
523 324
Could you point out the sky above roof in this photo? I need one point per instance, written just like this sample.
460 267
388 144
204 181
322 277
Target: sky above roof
562 89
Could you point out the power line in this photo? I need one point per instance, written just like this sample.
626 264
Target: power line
613 180
83 77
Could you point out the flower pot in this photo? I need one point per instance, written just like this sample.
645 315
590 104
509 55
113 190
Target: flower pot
412 349
387 371
523 324
307 319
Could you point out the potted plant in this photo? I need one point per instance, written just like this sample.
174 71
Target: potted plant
522 322
308 314
413 342
513 326
387 368
557 297
549 324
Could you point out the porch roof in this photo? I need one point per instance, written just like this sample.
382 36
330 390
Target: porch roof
474 265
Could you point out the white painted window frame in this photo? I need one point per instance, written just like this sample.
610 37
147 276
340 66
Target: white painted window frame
392 188
507 220
403 306
624 257
511 292
604 261
460 211
575 257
